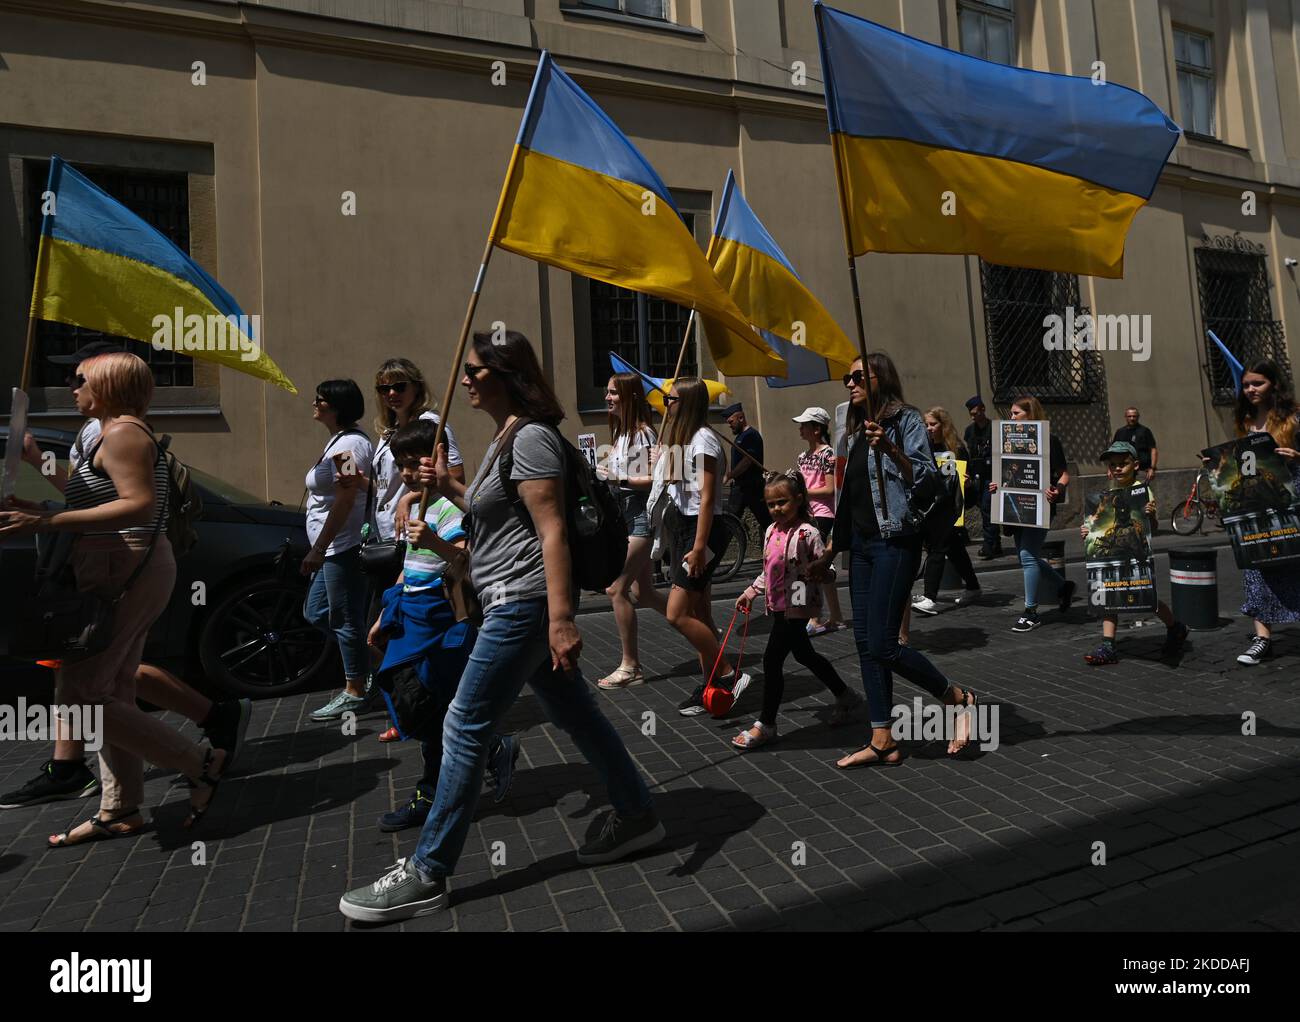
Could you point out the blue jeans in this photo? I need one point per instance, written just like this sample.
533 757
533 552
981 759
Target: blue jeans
336 602
513 648
1029 542
881 573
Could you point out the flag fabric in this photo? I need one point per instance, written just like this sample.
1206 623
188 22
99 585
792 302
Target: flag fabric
751 265
580 196
656 387
101 267
942 152
1234 364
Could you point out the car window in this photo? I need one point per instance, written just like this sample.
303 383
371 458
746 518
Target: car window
32 484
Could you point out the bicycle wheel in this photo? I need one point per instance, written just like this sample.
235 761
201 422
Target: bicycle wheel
734 555
1186 517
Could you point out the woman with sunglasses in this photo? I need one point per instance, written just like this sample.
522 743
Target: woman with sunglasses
522 570
889 455
336 510
1265 404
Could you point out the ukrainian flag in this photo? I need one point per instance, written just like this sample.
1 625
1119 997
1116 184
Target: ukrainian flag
941 152
656 387
751 265
580 196
101 267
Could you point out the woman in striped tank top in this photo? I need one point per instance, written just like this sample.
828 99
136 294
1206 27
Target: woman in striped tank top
117 504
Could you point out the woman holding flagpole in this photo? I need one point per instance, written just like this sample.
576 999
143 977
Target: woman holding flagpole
889 456
629 474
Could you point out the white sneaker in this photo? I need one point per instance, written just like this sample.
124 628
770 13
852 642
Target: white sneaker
742 683
925 605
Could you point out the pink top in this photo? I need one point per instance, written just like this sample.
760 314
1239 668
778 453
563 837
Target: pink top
785 581
818 468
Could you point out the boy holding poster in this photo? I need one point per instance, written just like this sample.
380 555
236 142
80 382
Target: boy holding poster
1116 540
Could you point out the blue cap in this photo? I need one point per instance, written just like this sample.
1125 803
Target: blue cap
731 410
974 403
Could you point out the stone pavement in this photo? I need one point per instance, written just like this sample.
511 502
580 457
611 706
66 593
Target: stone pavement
1199 823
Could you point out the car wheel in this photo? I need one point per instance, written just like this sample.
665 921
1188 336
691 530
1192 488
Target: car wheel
256 643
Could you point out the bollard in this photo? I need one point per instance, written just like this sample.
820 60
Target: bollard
1194 588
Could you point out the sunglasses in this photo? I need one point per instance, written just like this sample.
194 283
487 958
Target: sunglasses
318 401
671 399
473 371
76 381
384 389
855 378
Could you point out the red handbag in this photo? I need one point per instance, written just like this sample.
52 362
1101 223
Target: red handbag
718 700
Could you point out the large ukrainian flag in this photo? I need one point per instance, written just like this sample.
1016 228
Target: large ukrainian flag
581 197
1046 171
751 265
101 267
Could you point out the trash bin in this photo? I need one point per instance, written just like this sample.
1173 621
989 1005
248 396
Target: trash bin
1194 588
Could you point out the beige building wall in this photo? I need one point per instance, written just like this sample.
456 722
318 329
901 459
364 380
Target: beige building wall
308 99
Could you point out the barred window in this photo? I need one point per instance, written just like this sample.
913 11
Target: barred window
642 329
1232 276
656 10
161 200
987 29
1194 56
1017 305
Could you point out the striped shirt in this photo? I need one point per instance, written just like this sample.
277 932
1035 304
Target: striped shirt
91 487
422 569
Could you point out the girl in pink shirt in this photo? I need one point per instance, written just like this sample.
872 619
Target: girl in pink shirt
817 466
793 599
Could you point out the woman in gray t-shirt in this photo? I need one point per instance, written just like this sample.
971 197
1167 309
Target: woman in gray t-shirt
522 571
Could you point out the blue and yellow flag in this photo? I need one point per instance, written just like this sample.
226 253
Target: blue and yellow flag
656 387
942 152
101 267
751 265
581 197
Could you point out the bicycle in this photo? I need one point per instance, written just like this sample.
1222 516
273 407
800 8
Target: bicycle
730 561
1187 517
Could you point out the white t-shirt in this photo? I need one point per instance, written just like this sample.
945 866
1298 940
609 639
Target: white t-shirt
84 443
321 490
389 488
630 458
686 493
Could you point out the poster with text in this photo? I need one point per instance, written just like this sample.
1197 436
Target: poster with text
949 465
1119 558
587 445
1021 453
1258 500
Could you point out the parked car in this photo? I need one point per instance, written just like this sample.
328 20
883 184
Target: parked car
235 616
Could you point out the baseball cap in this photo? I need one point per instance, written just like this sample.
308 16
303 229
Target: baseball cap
818 415
86 351
1120 447
731 410
974 403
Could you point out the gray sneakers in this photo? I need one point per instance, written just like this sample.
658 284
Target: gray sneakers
401 893
620 836
339 705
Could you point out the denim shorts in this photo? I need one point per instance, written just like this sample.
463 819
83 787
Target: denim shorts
635 514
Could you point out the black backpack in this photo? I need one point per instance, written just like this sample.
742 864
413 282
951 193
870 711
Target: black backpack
593 520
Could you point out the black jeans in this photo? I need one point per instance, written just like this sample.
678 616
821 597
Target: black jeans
992 533
790 636
951 548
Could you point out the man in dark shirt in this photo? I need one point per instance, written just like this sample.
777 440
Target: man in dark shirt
979 470
745 477
1133 432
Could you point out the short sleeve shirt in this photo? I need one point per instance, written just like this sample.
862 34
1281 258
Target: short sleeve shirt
389 488
686 492
818 468
322 490
422 569
84 443
505 556
1141 438
751 442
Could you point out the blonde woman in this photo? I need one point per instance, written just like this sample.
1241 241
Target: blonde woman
952 546
117 504
697 538
628 472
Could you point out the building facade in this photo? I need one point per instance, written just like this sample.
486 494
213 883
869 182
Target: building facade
336 164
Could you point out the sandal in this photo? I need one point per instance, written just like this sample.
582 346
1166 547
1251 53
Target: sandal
624 677
206 780
968 704
759 734
100 830
878 761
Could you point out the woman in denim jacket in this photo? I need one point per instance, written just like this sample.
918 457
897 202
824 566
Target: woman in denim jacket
888 457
